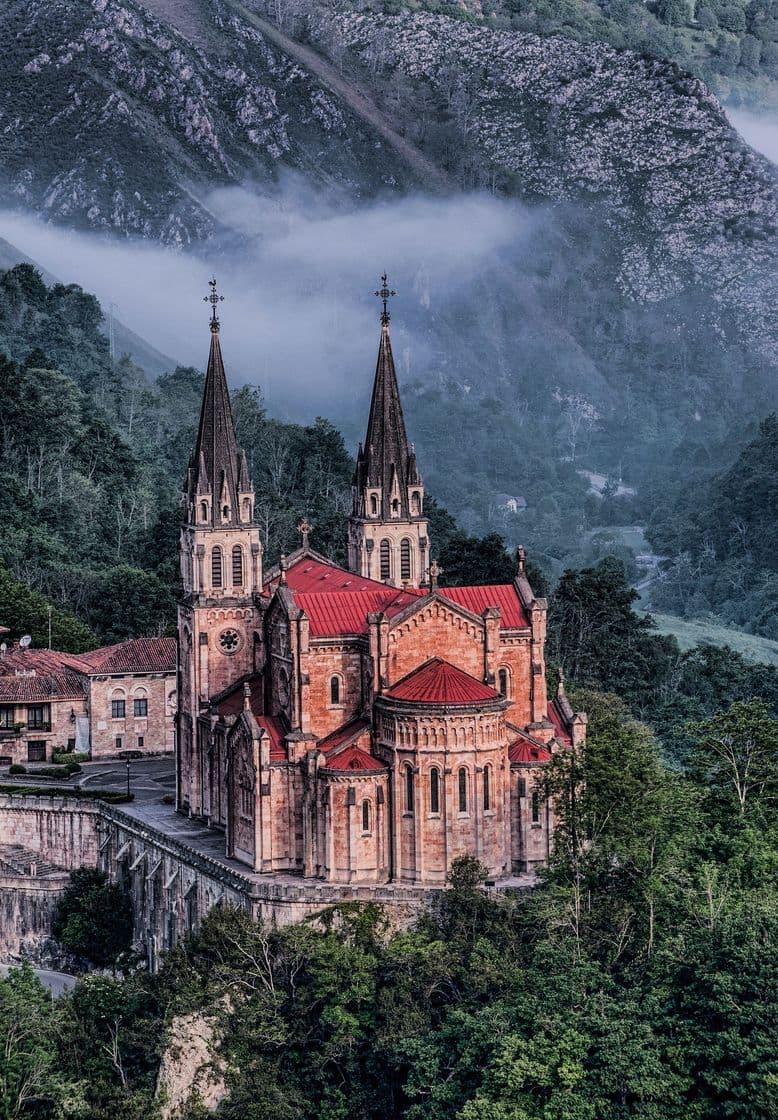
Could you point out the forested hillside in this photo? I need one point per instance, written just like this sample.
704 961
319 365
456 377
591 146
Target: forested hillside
722 540
92 456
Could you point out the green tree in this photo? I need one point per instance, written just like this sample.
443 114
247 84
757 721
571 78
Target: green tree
599 639
30 1082
94 918
735 756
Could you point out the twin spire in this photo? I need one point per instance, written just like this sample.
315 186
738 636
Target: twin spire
218 488
387 484
387 461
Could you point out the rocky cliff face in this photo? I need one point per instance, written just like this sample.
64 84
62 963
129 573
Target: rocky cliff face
628 135
110 119
639 310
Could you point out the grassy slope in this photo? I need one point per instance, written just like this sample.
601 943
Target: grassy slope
690 632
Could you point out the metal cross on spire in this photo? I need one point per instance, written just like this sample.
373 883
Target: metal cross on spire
214 299
385 293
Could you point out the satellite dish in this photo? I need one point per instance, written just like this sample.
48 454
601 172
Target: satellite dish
25 641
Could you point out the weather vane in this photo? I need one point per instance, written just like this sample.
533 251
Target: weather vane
385 293
214 299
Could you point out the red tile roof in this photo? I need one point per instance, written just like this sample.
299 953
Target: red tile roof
525 749
308 574
354 758
502 595
340 613
275 732
42 661
344 735
338 602
561 730
439 682
41 688
230 702
138 655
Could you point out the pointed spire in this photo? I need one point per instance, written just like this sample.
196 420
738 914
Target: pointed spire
386 460
218 468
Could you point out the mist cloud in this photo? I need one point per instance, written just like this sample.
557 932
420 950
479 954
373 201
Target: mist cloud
761 132
297 273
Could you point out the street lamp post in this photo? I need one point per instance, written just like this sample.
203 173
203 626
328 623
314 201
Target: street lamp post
128 778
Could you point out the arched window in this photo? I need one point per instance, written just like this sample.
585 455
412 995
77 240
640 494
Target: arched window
416 502
395 507
434 790
487 791
373 505
503 678
216 567
405 560
386 560
225 513
462 790
409 789
237 566
535 807
365 816
203 511
334 690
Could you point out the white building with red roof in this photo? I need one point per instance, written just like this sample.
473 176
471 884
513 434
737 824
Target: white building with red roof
357 724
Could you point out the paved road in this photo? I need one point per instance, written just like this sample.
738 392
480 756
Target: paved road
150 778
57 982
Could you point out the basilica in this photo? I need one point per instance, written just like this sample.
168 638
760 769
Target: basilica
359 724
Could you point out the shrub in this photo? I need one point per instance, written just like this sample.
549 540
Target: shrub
52 772
110 796
17 768
65 758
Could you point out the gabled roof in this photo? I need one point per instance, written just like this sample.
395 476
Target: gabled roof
309 573
526 749
561 728
138 655
41 661
338 602
344 613
41 688
501 595
439 682
353 758
344 735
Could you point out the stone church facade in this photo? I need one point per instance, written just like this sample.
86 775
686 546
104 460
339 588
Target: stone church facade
356 724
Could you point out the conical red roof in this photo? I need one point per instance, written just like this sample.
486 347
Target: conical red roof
439 682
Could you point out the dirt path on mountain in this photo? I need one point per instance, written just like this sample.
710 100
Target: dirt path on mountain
356 100
188 17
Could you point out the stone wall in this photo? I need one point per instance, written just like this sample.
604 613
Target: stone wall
172 886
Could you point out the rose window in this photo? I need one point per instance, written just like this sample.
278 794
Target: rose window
229 640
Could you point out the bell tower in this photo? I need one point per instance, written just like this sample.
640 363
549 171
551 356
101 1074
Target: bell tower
387 531
219 621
